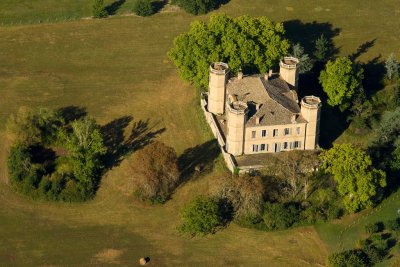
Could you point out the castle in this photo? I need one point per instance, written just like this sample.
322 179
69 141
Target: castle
262 113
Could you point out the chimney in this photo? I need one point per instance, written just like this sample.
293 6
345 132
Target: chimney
240 74
270 73
294 117
257 120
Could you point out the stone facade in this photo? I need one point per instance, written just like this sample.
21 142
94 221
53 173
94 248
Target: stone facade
262 114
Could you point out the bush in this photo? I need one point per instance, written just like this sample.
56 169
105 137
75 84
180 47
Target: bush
393 225
98 9
197 7
155 172
201 216
376 227
143 8
348 258
279 216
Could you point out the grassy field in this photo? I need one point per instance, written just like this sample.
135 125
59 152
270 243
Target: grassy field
118 67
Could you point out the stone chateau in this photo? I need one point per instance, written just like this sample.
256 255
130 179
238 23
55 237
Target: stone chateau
262 113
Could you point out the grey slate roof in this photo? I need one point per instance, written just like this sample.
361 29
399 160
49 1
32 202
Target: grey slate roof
277 101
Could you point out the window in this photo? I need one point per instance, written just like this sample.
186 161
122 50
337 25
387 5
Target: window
255 148
262 147
285 145
275 133
277 147
298 130
264 133
297 144
286 131
253 134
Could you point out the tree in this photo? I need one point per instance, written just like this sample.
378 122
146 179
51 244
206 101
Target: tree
155 171
389 126
197 7
305 62
340 81
321 49
245 193
297 169
392 67
201 216
358 182
86 147
348 258
143 8
31 127
254 43
98 9
279 216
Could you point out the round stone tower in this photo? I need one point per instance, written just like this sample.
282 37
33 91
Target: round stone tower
236 119
289 70
311 112
219 74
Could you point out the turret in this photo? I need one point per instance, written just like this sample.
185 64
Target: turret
236 118
219 74
289 70
311 112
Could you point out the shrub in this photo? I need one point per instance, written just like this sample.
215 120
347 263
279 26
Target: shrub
393 225
197 7
348 258
375 227
201 216
279 216
143 8
155 172
374 254
98 9
378 241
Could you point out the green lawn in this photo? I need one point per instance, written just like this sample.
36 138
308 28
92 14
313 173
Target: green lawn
118 67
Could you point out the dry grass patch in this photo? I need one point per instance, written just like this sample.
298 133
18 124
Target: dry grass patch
109 256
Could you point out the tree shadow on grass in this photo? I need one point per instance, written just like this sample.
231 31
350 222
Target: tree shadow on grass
306 33
158 5
143 132
113 7
199 158
374 74
362 49
71 113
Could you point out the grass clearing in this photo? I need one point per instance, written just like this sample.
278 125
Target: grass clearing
118 67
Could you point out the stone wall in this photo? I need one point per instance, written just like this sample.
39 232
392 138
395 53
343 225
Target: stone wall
211 120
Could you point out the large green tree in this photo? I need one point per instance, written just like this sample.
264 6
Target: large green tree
85 146
340 80
243 42
358 182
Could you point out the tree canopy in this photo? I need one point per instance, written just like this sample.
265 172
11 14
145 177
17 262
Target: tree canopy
358 182
201 216
98 9
243 42
34 167
155 172
143 8
392 67
340 81
197 7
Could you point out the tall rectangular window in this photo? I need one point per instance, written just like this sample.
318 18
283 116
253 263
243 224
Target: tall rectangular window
262 147
253 134
264 133
286 131
255 148
275 132
298 130
297 144
285 145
